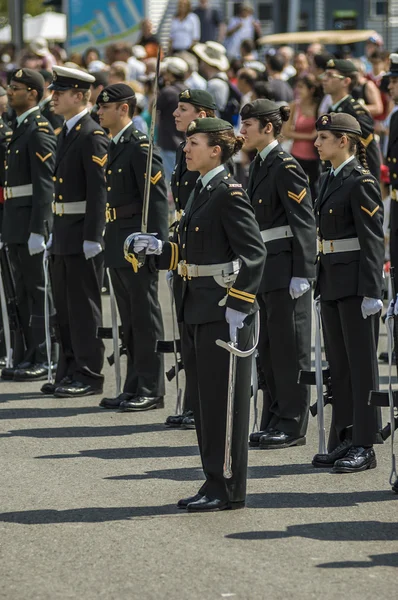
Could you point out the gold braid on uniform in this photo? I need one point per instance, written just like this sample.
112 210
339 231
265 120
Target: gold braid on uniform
361 153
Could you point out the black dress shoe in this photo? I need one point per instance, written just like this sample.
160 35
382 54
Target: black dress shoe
48 388
254 439
327 460
142 403
280 439
188 421
174 421
8 372
183 503
75 390
395 487
356 459
115 402
205 504
36 372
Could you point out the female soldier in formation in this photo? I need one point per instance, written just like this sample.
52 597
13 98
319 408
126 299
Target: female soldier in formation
349 214
192 104
220 257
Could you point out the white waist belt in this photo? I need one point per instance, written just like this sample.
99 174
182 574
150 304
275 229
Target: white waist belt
276 233
208 270
69 208
330 246
18 191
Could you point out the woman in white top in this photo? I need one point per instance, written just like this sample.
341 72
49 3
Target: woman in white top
185 28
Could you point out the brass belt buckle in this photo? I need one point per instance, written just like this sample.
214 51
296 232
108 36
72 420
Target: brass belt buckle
331 246
320 246
184 269
110 213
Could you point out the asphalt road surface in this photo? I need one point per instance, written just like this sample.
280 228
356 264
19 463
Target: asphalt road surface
88 511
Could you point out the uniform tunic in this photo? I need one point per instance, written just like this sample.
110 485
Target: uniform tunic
30 160
218 226
79 176
350 206
280 196
136 293
47 110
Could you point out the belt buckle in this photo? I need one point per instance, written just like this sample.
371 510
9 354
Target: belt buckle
331 246
9 193
110 213
320 246
60 214
184 269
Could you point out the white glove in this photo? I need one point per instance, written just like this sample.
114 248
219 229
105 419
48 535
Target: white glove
169 277
1 243
148 243
235 320
47 252
36 243
393 307
91 249
298 286
370 306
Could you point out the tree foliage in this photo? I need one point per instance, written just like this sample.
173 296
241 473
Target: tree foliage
31 7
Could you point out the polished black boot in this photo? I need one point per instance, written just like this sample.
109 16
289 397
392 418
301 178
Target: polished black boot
356 459
48 388
76 389
254 439
142 403
183 503
8 372
275 439
327 460
35 372
113 403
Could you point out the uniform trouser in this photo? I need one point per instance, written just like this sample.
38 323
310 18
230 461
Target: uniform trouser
206 370
28 275
351 349
77 296
142 326
284 350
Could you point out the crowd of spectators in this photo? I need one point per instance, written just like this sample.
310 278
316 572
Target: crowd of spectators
224 58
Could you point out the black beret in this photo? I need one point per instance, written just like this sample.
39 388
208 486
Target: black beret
208 125
118 92
259 108
29 77
47 75
338 122
345 67
65 78
199 98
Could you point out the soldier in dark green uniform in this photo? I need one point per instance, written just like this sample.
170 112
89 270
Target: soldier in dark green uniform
279 192
77 243
136 293
192 104
339 79
349 214
218 299
28 192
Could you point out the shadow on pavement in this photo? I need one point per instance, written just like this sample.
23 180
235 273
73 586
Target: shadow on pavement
376 560
345 531
87 515
48 413
86 432
130 453
319 499
191 473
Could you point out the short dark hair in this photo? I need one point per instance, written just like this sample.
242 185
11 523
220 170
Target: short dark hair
132 103
275 62
263 89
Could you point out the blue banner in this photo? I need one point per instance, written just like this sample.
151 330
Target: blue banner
103 22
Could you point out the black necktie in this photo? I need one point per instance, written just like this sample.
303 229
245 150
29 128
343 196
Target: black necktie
62 135
256 168
198 189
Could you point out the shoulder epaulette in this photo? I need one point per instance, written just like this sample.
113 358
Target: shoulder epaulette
98 132
43 124
43 129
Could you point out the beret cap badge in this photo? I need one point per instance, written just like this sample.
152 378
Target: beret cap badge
105 97
192 126
330 64
325 120
19 73
185 94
